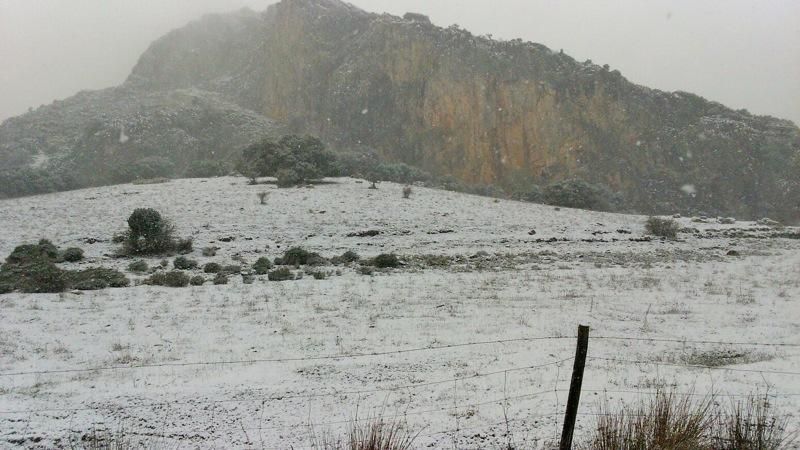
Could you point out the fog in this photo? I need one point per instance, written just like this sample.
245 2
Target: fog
743 53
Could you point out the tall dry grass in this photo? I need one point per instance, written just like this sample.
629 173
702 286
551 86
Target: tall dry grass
751 425
669 421
370 435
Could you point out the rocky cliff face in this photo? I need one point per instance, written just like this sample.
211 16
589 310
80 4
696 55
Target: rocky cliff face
454 103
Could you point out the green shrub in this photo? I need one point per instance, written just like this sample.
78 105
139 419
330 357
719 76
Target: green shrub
281 274
19 181
212 267
319 275
520 184
661 227
437 260
350 256
183 245
72 254
148 233
184 263
27 253
295 256
138 267
149 167
577 194
286 178
197 280
533 194
40 276
221 278
315 259
175 278
356 164
262 266
397 173
96 278
346 258
231 269
206 168
144 181
386 260
31 268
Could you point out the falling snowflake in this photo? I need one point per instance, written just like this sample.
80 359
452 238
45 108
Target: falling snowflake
123 138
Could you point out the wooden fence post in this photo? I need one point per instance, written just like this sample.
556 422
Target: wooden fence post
575 388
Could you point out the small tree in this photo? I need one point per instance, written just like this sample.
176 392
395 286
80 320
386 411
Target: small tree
374 177
292 159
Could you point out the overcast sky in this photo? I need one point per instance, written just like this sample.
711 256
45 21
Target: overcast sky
744 53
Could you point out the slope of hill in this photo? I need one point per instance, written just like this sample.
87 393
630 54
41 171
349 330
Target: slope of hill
482 110
99 135
262 364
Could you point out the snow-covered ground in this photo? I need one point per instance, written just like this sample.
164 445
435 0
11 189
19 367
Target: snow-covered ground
252 365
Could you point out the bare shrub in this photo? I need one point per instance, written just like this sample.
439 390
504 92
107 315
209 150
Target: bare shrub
407 192
262 197
176 278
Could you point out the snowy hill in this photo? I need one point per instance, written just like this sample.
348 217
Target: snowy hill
477 324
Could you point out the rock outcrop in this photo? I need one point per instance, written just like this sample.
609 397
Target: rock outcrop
454 103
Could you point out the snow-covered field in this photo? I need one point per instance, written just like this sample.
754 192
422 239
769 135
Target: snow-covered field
271 364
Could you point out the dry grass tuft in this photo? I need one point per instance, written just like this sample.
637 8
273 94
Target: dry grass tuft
370 435
664 422
751 425
676 422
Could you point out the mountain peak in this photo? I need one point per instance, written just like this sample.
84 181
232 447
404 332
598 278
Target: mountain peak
485 112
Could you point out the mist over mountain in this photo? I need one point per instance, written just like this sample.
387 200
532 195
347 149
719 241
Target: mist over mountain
444 100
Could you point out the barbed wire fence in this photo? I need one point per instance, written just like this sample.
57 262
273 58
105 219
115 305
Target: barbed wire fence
566 410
